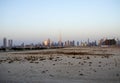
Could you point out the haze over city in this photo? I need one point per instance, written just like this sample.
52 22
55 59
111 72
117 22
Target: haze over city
32 21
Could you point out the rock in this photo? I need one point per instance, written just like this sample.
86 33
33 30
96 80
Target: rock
43 72
51 75
81 74
88 57
117 74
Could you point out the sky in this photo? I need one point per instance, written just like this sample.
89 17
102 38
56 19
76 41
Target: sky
33 21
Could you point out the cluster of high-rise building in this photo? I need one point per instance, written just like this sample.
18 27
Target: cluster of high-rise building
69 43
108 42
8 44
50 43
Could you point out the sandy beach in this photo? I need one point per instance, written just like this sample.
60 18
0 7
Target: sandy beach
66 65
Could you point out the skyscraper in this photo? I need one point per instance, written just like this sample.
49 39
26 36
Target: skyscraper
10 42
88 42
4 42
77 43
48 42
60 40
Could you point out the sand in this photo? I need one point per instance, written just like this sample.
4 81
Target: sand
67 65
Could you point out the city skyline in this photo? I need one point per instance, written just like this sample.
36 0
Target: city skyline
37 20
8 43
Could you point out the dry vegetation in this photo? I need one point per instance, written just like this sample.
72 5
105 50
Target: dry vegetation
39 55
65 53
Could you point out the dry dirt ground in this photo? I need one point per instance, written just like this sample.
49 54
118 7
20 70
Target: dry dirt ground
67 65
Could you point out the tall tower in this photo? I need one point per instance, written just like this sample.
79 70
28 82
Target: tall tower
60 40
48 41
4 42
10 42
88 41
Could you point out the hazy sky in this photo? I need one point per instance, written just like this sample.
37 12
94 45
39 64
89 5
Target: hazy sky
37 20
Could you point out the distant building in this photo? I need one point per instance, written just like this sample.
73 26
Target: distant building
72 43
88 42
67 43
101 42
60 40
110 42
4 42
93 43
47 43
83 43
51 43
118 42
30 46
22 45
10 43
77 43
59 43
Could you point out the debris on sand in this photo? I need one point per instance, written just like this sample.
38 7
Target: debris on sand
1 61
67 72
94 70
82 63
65 53
78 58
10 61
31 62
51 57
115 62
70 63
43 72
99 65
100 62
117 74
90 62
73 57
31 58
88 57
51 75
8 71
36 62
55 59
42 58
85 62
53 64
81 74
